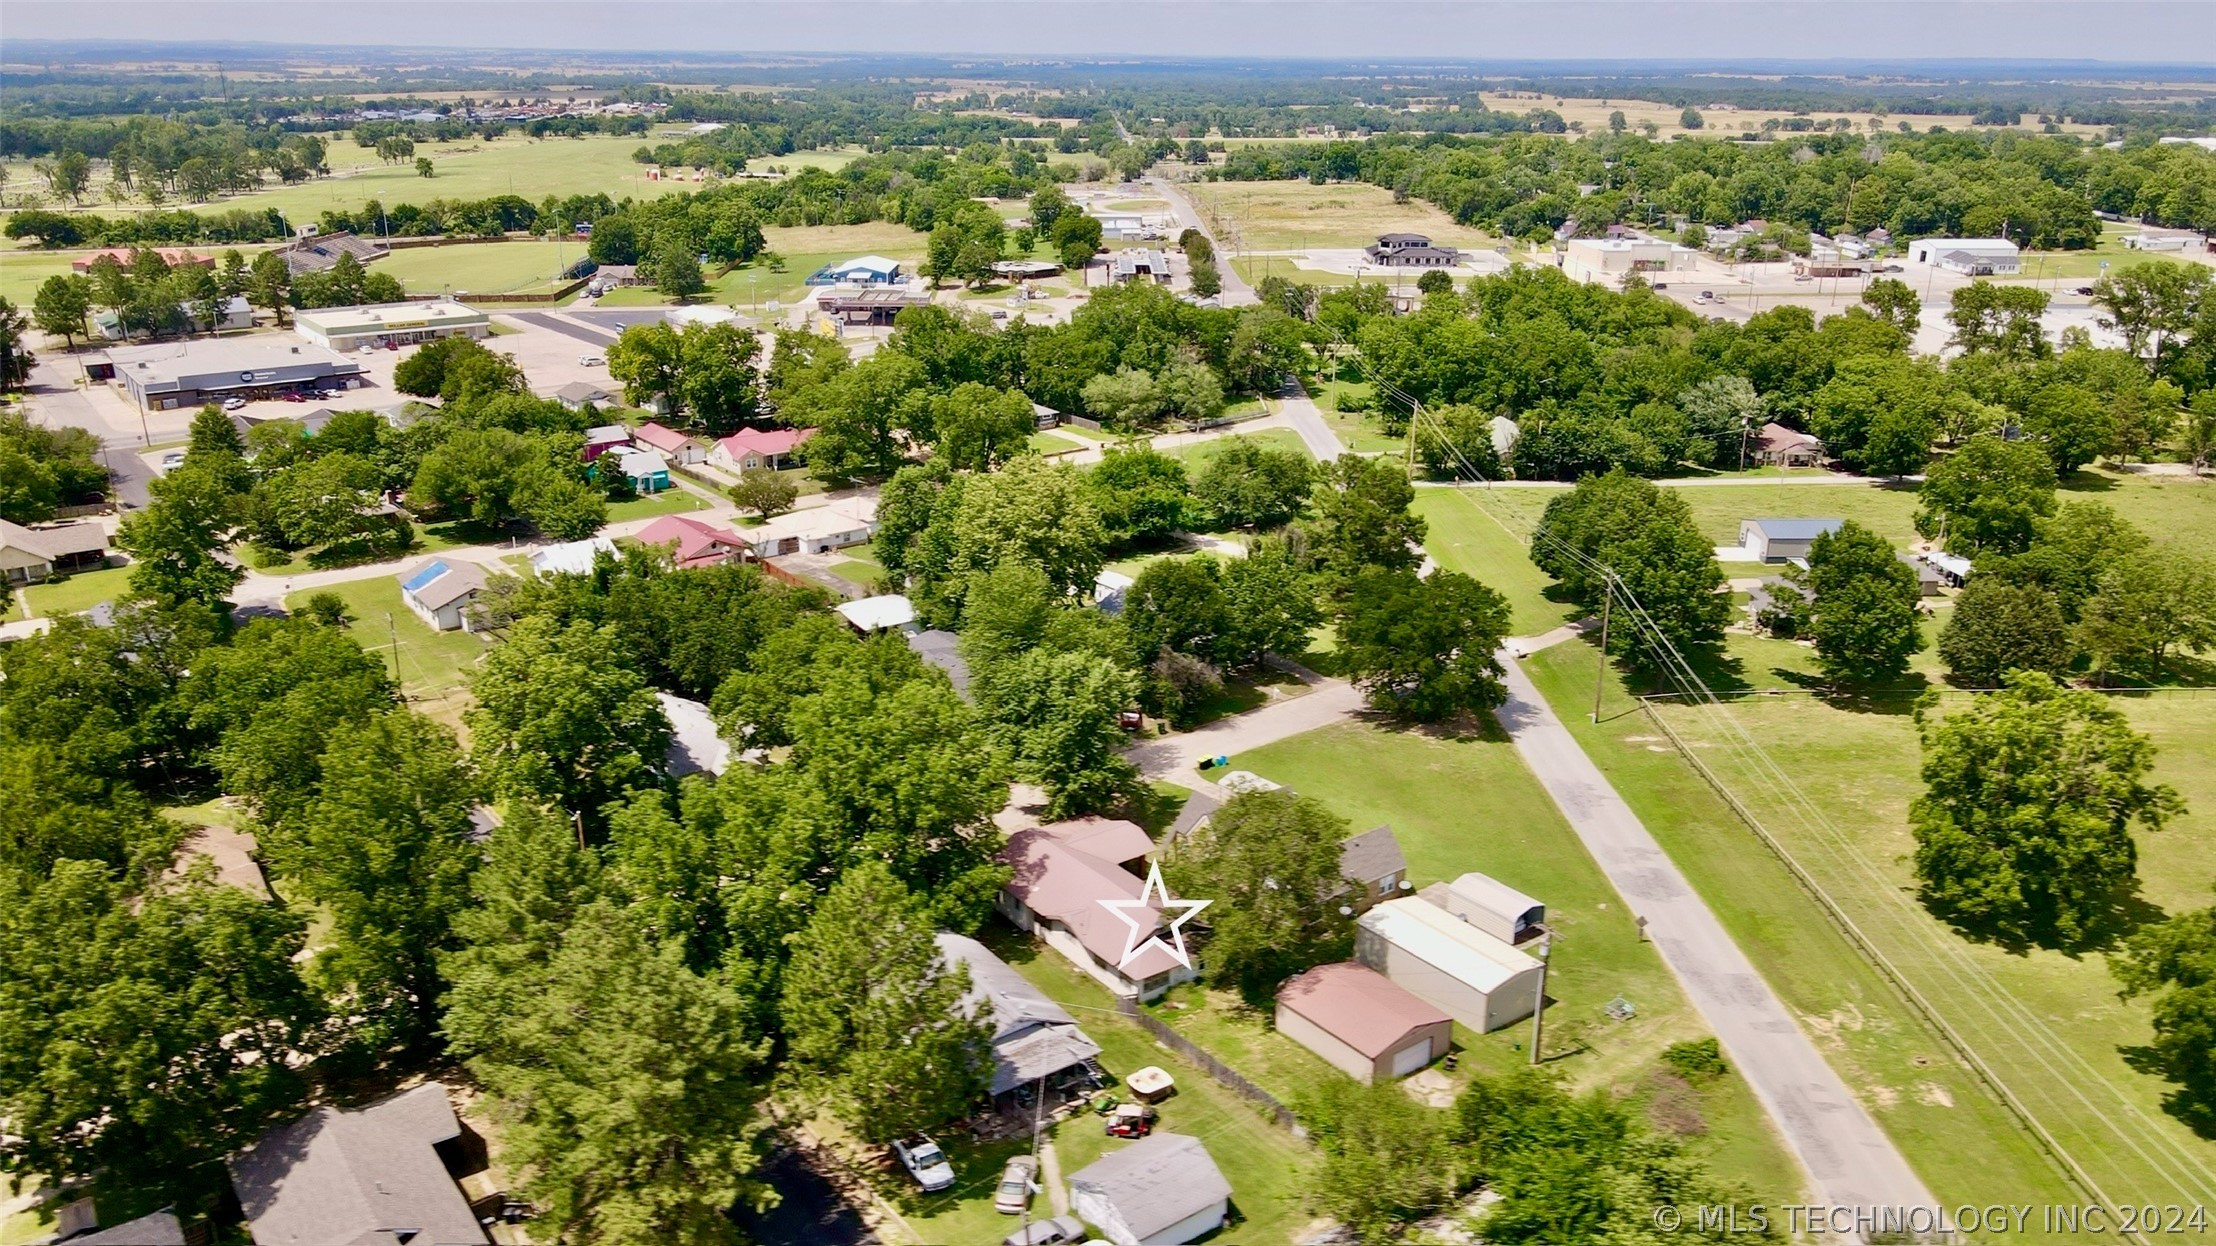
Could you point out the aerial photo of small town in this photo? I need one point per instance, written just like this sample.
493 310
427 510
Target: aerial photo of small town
1017 622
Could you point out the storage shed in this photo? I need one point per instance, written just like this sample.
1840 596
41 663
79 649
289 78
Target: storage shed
1495 908
1783 540
1163 1189
1362 1022
1473 977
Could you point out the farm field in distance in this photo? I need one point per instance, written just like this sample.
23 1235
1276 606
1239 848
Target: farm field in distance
1295 216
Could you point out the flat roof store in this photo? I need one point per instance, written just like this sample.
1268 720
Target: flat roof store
188 374
389 324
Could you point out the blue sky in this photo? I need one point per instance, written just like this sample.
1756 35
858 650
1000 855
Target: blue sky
2115 30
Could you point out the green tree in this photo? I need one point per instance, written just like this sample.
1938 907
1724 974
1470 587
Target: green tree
1690 119
1988 496
2175 962
677 271
1048 204
873 1014
270 285
1620 530
2002 320
648 359
1862 608
2153 306
978 427
859 416
1880 413
1190 391
2024 830
1456 442
1076 237
1206 279
2071 422
1998 627
765 492
625 1085
718 385
177 542
61 306
1386 1158
384 847
1721 414
2068 554
1362 518
423 166
270 701
1423 648
1127 399
1178 603
213 433
2148 607
1436 281
1140 494
563 718
1058 713
15 356
145 1035
1270 863
1273 605
1894 302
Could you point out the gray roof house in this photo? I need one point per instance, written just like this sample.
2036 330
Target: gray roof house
1782 540
943 649
362 1177
1033 1037
577 394
159 1228
1373 865
1161 1189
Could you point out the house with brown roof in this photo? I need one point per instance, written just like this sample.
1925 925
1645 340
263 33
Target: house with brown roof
1062 873
383 1174
1361 1021
1779 446
29 555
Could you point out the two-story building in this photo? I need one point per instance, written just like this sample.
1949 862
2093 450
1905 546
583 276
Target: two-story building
1410 251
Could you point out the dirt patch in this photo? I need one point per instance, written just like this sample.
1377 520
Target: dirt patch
1934 1094
1883 1096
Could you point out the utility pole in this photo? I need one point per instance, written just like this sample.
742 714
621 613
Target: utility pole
1038 1105
1539 1005
1608 599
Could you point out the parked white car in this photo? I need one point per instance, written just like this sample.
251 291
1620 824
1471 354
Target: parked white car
592 361
172 461
925 1162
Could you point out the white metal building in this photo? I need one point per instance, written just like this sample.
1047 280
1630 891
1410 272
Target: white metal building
1495 907
1972 257
389 324
1471 976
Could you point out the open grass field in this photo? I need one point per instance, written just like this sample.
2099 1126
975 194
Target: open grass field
431 666
804 249
1295 216
1264 1163
78 593
469 169
1593 113
1957 1135
2044 267
827 158
2049 1025
481 267
1426 786
671 501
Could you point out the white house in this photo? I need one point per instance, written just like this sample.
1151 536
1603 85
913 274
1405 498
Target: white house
1473 977
440 591
814 529
870 615
1971 257
1783 540
570 557
1161 1189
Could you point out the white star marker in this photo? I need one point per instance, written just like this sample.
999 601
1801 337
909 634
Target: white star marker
1125 911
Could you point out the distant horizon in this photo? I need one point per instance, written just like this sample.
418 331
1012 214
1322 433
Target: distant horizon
1742 34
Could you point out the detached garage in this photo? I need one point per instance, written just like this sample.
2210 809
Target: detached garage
1473 977
1357 1019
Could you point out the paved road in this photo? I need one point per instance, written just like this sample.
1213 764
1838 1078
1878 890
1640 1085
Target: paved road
564 325
1173 758
1849 1160
1300 411
1235 288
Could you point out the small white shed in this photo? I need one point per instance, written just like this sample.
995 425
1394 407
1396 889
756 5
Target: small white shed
1495 907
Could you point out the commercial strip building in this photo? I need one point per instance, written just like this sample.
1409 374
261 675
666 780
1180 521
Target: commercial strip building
1970 257
169 375
389 324
1612 259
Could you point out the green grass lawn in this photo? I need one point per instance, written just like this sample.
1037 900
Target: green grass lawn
1465 537
1198 454
482 267
468 169
859 570
1055 443
2050 1024
431 666
1359 430
1427 787
79 592
670 501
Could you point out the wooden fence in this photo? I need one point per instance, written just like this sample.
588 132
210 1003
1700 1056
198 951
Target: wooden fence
1223 1074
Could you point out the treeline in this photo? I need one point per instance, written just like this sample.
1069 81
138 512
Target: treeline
2040 191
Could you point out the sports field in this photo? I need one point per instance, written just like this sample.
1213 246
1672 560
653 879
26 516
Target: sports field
1295 216
481 267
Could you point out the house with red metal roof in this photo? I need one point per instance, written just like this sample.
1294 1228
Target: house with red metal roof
682 450
694 543
755 447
